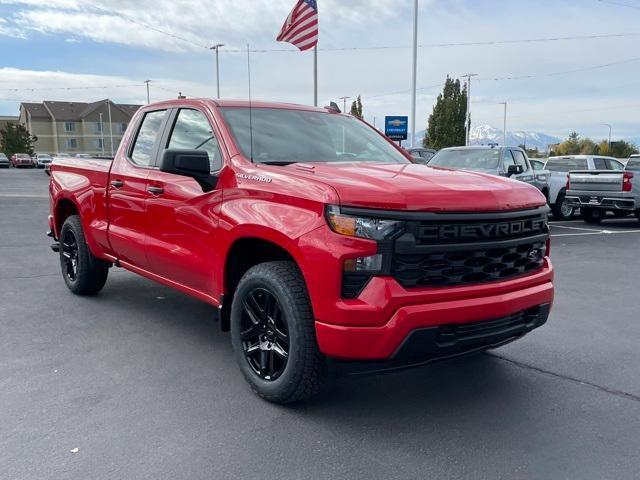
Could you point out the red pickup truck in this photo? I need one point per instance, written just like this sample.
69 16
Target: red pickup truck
320 241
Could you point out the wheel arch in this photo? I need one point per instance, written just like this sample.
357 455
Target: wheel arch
246 252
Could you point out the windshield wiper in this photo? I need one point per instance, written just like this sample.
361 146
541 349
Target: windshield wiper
279 163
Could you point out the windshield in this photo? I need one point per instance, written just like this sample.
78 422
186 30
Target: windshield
289 136
566 164
633 165
468 159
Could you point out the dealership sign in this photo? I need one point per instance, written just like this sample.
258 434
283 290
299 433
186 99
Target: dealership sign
396 128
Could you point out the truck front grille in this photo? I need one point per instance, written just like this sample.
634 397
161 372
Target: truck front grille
443 268
456 249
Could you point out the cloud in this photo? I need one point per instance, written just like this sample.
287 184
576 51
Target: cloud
136 23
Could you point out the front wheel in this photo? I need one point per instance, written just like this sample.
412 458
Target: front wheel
273 334
561 209
592 215
83 273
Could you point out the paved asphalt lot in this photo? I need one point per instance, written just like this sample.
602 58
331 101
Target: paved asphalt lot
143 384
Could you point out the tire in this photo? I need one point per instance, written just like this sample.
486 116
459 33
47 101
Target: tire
262 330
592 216
83 273
561 211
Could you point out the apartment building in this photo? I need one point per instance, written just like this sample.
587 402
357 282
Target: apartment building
77 127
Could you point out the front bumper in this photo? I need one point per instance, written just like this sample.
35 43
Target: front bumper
603 200
414 310
427 345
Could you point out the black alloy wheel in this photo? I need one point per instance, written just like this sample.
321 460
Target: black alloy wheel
69 250
264 334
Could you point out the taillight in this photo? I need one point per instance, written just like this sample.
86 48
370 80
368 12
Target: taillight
626 181
568 182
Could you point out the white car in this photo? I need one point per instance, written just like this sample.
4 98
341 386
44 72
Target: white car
4 161
42 159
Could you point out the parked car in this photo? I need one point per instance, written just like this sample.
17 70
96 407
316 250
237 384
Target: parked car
598 191
4 161
503 161
82 155
313 254
42 159
560 168
422 155
22 160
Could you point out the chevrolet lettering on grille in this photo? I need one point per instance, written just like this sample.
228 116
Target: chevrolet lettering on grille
482 230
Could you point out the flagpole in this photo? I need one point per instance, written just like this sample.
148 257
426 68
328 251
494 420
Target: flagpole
414 73
315 76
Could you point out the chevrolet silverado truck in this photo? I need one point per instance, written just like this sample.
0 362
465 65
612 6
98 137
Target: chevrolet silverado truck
321 243
599 191
560 168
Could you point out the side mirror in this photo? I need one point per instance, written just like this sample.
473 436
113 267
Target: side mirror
189 163
514 170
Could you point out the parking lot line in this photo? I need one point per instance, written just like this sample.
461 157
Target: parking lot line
577 228
595 232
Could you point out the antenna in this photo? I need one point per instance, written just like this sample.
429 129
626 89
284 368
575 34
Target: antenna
250 108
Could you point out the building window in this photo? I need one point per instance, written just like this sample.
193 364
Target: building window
69 126
71 143
98 144
97 127
123 127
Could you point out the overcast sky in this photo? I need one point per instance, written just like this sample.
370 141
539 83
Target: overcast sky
68 43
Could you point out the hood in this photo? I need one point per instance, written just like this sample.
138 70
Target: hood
420 188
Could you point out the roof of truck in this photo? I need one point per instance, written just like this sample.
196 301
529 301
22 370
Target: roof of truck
239 103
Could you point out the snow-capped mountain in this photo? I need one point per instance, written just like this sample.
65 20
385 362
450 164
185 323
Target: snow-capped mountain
485 134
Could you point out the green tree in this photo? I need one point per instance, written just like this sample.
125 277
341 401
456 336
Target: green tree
15 138
447 122
356 107
619 149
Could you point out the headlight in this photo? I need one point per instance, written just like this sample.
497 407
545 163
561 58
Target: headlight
363 227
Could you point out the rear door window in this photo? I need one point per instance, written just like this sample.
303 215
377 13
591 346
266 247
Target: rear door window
142 153
600 164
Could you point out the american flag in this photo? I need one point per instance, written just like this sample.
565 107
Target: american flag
301 26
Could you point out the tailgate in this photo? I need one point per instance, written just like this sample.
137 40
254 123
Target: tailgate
596 180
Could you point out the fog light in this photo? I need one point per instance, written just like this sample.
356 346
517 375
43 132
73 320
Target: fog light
364 264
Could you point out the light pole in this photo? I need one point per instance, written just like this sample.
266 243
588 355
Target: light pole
609 143
414 73
216 47
344 103
148 96
504 128
468 123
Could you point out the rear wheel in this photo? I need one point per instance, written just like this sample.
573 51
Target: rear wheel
83 273
273 334
592 215
561 209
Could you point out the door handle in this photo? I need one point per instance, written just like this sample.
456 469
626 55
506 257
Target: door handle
117 183
155 190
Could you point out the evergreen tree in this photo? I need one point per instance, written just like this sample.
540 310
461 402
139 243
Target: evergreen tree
15 138
446 126
356 107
